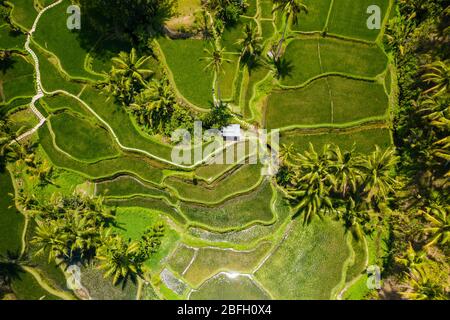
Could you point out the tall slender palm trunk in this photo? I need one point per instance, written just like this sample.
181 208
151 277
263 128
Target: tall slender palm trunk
283 37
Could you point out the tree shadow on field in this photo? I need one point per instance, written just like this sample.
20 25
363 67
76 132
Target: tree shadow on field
6 64
108 29
10 269
284 68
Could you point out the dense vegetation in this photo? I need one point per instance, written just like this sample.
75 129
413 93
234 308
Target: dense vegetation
419 36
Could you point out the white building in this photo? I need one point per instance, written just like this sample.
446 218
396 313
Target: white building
232 132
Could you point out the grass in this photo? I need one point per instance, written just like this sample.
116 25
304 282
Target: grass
11 220
122 124
210 261
267 29
251 234
188 7
126 186
364 140
53 35
222 287
65 183
25 287
104 51
128 163
181 258
309 263
256 75
228 76
353 58
302 59
266 9
23 119
388 81
16 79
232 34
350 19
60 102
336 56
193 82
316 17
102 289
24 13
133 222
355 100
234 213
11 40
245 178
82 139
252 8
359 264
52 79
157 205
307 106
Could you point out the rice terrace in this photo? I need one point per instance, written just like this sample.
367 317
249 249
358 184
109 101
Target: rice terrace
224 149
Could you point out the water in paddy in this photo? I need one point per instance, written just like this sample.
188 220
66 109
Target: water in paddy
229 286
11 220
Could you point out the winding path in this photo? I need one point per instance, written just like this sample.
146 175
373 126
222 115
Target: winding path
39 91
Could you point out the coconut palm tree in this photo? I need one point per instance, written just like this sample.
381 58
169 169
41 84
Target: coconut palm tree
251 43
287 153
436 110
50 238
291 9
81 234
438 76
215 60
419 285
155 104
128 65
438 224
412 259
378 170
344 171
128 76
120 259
311 192
11 268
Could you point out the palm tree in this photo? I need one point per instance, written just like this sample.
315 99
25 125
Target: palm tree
438 219
155 104
345 174
11 268
130 66
420 286
50 238
292 10
251 43
438 76
310 194
120 259
378 173
215 60
412 259
81 234
127 76
436 110
287 153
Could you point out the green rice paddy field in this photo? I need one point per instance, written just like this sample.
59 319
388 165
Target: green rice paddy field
229 231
